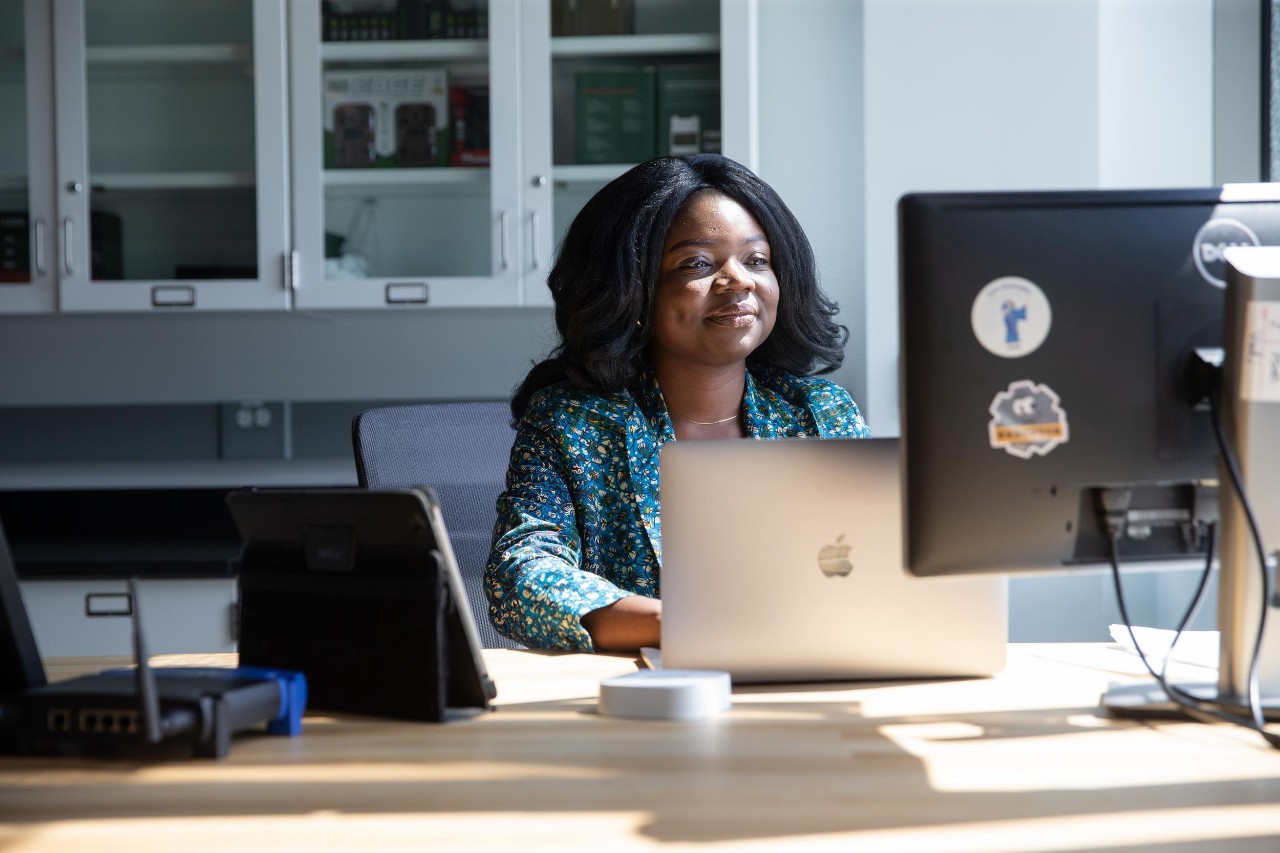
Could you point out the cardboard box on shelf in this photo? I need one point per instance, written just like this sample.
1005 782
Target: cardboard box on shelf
593 17
388 117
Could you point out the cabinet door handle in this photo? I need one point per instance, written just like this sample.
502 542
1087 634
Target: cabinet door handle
291 263
67 246
504 225
533 222
40 253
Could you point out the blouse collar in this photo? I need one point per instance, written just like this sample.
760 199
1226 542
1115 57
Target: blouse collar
656 418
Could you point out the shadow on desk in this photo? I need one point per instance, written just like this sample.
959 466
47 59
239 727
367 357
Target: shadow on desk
982 765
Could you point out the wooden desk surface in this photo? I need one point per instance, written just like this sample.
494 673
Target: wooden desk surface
1021 762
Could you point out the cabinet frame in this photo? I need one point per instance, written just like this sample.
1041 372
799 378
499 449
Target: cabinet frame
39 295
77 292
501 286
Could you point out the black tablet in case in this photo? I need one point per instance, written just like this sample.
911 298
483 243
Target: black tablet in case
359 590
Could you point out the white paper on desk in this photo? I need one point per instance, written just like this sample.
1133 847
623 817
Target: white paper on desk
1199 648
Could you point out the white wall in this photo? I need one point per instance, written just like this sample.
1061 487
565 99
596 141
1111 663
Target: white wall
1009 94
811 145
1155 93
1237 98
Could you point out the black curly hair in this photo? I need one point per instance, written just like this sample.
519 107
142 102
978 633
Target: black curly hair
605 278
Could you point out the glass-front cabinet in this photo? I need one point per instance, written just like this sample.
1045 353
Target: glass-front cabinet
171 160
26 187
338 154
406 127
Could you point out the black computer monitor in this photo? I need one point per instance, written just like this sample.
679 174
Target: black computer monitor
1044 341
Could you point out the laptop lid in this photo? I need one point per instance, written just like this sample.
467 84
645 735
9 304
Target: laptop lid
20 666
782 561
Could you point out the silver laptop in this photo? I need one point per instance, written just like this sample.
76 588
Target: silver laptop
782 561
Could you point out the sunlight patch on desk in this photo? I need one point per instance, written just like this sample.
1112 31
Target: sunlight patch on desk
934 732
425 770
1015 693
794 713
302 774
1074 759
325 831
1143 830
880 700
1207 827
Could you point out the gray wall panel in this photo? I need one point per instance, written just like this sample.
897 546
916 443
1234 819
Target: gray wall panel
121 360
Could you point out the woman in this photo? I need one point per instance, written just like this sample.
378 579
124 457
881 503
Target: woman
688 308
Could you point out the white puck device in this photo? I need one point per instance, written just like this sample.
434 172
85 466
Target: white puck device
666 694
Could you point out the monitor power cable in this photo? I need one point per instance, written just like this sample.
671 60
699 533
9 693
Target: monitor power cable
1237 484
1112 510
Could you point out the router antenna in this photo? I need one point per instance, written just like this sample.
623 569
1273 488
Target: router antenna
149 705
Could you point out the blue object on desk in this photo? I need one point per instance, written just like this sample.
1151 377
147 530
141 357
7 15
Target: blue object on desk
291 684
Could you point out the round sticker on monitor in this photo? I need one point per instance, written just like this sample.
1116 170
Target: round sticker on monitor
1011 317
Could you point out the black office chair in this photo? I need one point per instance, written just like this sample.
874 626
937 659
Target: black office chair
461 451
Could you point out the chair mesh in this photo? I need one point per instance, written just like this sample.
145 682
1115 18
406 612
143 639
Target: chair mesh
461 451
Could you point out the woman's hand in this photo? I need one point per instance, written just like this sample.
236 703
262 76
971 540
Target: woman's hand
625 625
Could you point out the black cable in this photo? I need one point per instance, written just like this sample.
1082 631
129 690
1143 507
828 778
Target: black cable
1192 706
1210 543
1112 520
1237 482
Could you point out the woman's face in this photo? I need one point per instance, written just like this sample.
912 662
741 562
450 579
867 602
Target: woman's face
717 293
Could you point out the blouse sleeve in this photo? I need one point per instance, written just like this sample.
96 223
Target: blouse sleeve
536 589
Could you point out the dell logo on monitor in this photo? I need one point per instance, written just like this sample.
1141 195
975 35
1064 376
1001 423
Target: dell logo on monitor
1214 238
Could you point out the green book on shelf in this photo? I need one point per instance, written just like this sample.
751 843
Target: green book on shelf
615 115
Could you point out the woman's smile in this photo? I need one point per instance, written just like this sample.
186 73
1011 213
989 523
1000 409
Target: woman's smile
738 317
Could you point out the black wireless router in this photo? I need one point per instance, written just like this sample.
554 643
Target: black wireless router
151 711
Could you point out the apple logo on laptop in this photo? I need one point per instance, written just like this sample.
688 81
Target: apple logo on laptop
834 559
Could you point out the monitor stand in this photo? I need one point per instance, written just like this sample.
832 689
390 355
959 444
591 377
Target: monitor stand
1148 701
1250 412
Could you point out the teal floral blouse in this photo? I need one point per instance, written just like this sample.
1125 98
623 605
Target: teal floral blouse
578 526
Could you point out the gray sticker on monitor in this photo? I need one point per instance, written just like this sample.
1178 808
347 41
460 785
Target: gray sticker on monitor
1027 420
1011 317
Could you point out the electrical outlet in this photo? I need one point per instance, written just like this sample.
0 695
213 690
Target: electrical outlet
252 429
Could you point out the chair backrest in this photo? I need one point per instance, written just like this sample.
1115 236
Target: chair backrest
461 451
